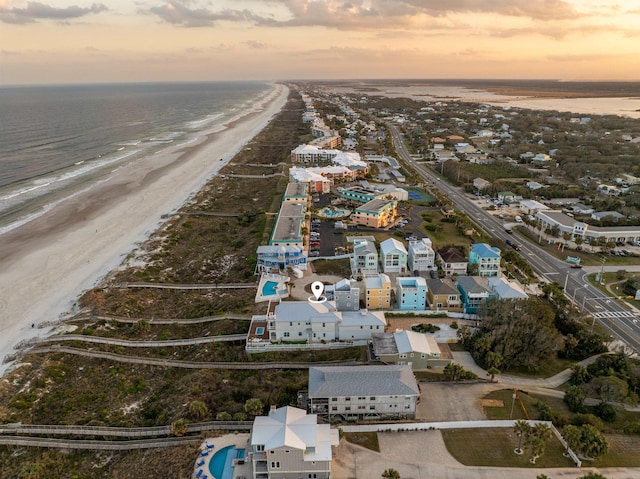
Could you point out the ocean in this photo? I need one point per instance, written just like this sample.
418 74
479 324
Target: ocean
58 140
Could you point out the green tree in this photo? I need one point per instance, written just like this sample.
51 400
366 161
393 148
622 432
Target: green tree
579 375
253 407
391 474
592 475
586 440
453 372
574 399
492 372
463 334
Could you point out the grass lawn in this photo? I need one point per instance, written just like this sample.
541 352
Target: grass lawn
494 447
364 439
624 451
549 367
523 402
338 267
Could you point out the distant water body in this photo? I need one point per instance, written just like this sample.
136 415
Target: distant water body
58 140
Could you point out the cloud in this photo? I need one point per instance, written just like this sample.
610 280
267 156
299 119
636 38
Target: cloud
178 13
256 45
40 11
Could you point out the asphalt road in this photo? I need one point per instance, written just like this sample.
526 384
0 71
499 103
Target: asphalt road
622 322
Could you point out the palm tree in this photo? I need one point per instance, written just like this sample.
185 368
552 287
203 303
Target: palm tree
540 434
198 409
522 429
391 474
493 372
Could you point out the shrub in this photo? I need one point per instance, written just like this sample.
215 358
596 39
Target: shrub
606 412
454 325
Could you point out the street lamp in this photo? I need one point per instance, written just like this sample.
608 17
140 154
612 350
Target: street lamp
575 291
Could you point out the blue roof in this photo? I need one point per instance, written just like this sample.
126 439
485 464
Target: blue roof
483 250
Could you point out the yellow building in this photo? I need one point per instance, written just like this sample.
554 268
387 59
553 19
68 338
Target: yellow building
376 213
378 291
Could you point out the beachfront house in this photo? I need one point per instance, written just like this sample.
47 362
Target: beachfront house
310 322
485 258
363 392
277 258
418 350
504 289
393 256
289 443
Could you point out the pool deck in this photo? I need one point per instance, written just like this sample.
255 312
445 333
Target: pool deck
281 290
240 441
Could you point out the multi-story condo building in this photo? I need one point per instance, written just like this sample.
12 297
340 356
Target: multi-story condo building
290 444
276 258
474 291
376 213
345 294
363 392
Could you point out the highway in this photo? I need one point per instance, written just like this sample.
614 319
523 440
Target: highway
614 316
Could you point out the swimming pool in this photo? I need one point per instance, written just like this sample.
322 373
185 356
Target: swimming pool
331 213
259 330
221 464
269 288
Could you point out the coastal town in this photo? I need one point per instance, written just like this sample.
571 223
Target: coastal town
375 287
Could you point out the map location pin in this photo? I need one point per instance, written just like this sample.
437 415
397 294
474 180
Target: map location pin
317 287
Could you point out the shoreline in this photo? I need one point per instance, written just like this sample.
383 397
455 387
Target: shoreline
48 263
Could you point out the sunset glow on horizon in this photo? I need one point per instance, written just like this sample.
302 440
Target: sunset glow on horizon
78 41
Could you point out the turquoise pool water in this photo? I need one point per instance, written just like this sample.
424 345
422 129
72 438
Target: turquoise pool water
269 288
221 464
259 330
331 213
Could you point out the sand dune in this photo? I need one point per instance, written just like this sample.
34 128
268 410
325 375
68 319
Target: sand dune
46 264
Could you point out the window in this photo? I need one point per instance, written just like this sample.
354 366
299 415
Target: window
347 399
259 447
272 452
275 464
360 407
299 333
423 355
348 408
334 399
372 408
287 451
334 408
403 356
372 398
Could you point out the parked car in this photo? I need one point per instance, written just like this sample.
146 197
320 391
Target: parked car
509 242
314 254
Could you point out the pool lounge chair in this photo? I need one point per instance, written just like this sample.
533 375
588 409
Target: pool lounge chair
200 463
199 473
204 453
209 446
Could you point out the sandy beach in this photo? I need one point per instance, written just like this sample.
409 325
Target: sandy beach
45 265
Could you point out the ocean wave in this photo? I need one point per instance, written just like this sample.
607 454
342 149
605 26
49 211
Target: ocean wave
81 168
195 124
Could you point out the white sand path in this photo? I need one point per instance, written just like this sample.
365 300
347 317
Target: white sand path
45 265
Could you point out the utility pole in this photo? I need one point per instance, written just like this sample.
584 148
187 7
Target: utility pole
602 270
513 401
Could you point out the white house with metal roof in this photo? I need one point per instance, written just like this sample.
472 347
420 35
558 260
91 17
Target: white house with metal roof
421 256
293 321
290 444
363 392
504 289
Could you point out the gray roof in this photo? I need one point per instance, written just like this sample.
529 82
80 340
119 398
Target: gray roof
474 284
341 381
442 286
